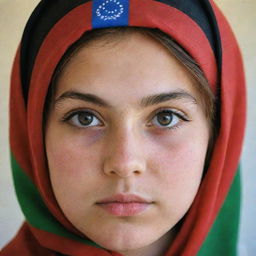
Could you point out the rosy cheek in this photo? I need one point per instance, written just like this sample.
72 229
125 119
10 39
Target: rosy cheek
74 154
179 170
178 159
74 169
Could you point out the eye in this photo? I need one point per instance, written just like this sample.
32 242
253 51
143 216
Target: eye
82 119
167 119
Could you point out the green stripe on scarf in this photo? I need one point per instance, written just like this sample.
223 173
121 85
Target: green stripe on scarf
34 209
223 236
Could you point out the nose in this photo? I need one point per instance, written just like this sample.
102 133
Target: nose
125 155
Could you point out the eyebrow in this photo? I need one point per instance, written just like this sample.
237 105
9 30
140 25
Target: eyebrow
163 97
145 102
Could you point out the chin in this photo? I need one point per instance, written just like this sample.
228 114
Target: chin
122 240
128 239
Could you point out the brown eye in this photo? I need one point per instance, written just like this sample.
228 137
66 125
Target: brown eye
83 119
166 118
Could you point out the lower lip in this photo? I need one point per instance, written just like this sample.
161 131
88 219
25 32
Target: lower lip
124 209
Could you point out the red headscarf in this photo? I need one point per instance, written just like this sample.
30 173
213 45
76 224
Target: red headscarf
200 28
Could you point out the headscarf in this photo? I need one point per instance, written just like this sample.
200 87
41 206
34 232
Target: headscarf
211 224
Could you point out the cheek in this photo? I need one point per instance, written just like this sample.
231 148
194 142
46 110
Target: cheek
183 151
73 152
183 155
72 164
179 166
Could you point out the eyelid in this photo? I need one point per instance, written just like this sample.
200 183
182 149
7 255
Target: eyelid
178 113
74 112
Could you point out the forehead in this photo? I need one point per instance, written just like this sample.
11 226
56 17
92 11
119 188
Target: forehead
134 65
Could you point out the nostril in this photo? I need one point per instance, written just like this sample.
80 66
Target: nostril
112 172
124 173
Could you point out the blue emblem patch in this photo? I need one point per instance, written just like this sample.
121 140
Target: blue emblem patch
110 13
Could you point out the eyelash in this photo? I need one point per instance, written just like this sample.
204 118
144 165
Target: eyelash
180 116
68 117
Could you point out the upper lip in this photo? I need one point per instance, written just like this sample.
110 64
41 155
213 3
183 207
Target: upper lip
124 198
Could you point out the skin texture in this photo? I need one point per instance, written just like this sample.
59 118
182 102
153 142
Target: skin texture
126 149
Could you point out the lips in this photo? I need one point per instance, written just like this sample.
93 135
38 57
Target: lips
124 204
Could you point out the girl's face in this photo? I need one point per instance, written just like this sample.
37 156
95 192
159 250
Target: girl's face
126 140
